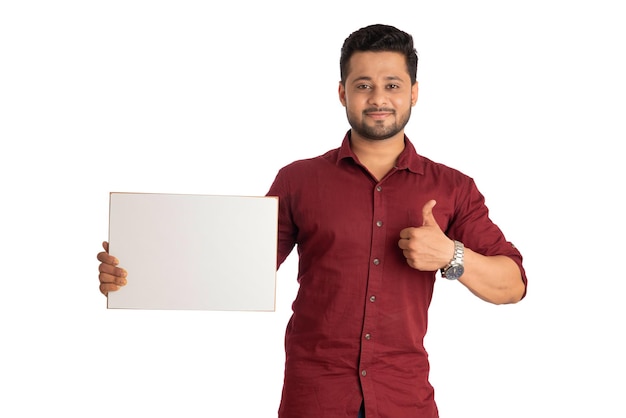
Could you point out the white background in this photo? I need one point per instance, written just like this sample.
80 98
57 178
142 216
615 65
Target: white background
214 97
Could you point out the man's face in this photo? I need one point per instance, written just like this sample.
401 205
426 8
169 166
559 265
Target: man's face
378 94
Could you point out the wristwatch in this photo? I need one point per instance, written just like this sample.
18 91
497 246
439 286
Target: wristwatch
455 268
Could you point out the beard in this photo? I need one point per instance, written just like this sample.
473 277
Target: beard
380 130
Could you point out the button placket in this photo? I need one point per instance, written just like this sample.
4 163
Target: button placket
377 255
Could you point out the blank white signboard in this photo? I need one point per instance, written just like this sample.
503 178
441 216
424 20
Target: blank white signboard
194 251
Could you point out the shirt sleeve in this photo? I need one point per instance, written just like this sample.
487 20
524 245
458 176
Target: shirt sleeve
287 230
472 226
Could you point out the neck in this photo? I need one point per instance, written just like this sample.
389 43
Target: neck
378 156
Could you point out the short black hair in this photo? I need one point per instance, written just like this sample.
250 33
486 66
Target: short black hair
379 38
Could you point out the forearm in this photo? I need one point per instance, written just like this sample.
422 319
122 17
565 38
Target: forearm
495 279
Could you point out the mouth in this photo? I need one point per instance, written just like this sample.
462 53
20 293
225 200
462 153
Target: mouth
378 114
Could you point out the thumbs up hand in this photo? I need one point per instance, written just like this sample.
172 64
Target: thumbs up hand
426 247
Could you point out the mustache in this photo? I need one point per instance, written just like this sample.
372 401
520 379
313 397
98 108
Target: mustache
378 109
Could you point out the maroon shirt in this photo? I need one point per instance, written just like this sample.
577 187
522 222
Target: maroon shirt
361 312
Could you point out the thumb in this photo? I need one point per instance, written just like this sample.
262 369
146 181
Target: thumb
427 214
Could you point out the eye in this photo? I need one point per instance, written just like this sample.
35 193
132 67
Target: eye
363 86
393 86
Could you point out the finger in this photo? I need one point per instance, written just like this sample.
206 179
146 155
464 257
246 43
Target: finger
107 259
107 278
112 270
105 245
406 233
411 263
427 214
105 288
110 282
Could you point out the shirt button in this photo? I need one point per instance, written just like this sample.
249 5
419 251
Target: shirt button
376 261
368 336
379 223
372 298
378 188
363 373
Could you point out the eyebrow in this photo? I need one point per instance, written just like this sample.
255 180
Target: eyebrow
388 78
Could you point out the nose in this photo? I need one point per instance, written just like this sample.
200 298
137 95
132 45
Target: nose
378 97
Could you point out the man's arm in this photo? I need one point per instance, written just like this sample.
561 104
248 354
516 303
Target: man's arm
496 279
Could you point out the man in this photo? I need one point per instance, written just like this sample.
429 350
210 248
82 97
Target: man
374 222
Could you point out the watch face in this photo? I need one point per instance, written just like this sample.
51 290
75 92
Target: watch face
454 272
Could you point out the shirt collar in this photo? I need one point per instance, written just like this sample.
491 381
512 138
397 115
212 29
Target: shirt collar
408 159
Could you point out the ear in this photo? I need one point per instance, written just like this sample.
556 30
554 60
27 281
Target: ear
342 94
414 91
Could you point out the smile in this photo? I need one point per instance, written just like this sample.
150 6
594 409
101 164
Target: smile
378 115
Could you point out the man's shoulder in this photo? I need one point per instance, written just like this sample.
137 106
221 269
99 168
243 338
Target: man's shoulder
432 167
313 162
